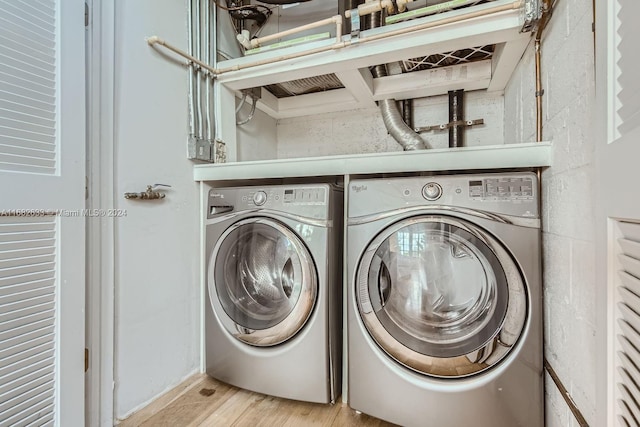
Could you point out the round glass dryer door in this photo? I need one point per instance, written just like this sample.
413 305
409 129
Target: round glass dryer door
441 296
265 280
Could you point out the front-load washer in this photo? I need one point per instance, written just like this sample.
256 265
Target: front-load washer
445 301
274 289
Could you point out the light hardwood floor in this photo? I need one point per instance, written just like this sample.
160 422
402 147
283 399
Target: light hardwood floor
203 401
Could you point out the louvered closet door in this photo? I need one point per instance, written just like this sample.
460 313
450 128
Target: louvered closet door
618 206
628 313
42 180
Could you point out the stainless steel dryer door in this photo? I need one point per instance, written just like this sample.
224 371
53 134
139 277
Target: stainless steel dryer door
441 296
265 281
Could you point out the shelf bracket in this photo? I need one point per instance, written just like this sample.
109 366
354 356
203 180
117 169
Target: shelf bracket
446 126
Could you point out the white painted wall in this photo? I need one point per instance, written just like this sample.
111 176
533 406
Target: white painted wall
257 140
568 198
157 244
363 131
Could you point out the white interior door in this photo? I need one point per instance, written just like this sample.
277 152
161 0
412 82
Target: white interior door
42 192
618 169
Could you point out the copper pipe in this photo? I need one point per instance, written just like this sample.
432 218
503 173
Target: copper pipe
547 10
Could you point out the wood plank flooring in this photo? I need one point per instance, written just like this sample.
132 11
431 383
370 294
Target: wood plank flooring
203 401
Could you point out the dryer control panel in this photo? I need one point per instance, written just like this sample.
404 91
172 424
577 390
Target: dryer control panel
508 193
503 188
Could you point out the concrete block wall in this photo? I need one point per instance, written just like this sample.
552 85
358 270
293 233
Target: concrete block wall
363 131
568 199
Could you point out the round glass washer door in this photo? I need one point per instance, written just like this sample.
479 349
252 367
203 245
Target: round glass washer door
441 296
265 280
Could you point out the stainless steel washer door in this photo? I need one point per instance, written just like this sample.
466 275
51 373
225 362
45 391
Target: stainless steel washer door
265 280
441 296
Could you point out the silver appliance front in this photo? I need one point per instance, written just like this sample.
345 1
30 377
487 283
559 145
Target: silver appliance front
265 281
272 308
463 254
441 296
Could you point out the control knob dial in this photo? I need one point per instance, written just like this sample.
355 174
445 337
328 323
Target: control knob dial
432 191
260 198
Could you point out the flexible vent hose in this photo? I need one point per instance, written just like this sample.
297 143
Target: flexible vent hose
395 124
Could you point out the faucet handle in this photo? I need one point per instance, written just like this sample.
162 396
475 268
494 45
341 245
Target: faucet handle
154 186
149 194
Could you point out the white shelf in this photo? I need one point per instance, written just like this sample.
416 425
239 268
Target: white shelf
467 158
351 64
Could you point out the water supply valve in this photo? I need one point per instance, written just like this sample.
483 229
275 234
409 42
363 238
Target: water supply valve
149 194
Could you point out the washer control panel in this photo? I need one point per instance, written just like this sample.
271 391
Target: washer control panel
432 191
271 197
305 196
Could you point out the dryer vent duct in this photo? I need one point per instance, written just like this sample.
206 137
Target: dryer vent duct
393 120
303 86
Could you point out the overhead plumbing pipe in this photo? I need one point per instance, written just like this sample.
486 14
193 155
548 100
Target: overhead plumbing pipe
339 44
393 120
374 6
253 43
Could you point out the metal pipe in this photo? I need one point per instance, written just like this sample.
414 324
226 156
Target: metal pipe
456 114
198 32
341 44
539 92
192 83
407 112
205 55
213 53
544 20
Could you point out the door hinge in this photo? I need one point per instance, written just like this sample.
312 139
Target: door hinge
86 14
86 359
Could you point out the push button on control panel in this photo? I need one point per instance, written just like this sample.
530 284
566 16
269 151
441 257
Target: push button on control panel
432 191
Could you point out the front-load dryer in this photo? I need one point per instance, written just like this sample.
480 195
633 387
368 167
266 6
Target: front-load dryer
445 300
274 289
